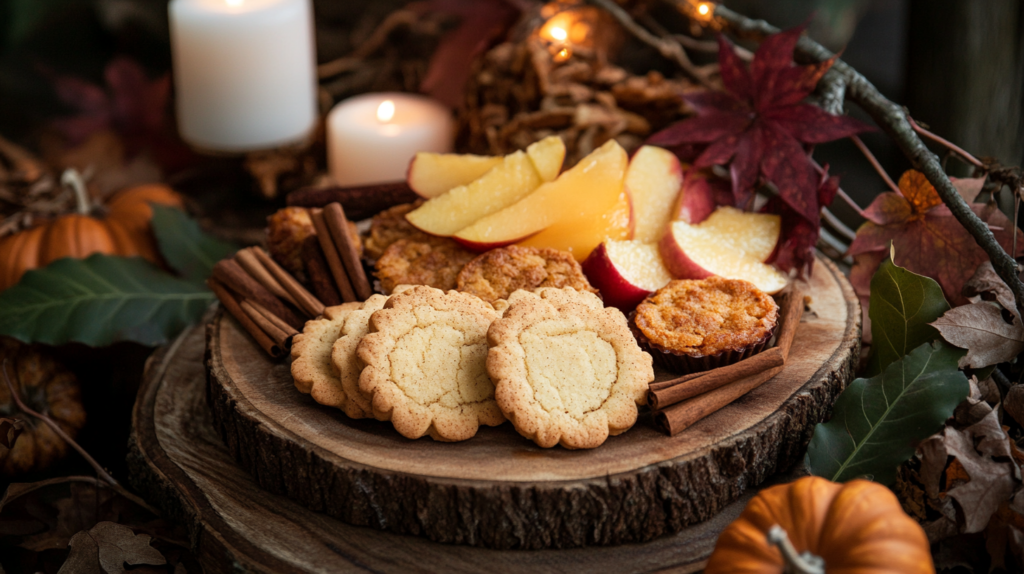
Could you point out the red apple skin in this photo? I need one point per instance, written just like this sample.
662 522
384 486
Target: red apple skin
615 289
480 247
677 261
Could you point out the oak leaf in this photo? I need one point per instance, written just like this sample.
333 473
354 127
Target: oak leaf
984 332
107 547
928 237
991 482
759 127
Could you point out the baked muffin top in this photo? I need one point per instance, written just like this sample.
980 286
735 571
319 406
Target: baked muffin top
497 273
707 316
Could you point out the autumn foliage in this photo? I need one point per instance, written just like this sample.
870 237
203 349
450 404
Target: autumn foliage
762 129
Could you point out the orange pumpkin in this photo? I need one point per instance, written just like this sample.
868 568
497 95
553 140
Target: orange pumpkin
122 230
855 528
47 387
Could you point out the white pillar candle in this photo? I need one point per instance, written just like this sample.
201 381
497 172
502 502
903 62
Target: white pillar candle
244 72
371 138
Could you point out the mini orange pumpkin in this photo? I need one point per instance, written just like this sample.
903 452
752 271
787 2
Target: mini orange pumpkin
122 230
856 528
47 387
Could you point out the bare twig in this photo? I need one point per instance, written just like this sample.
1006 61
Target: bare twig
56 428
667 47
946 143
893 119
874 163
371 45
837 225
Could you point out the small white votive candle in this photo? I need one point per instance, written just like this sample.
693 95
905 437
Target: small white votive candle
244 72
371 138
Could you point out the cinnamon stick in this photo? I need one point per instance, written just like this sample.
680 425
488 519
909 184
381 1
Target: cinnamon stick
281 339
232 306
665 393
363 201
307 302
681 416
232 276
792 311
319 272
252 266
334 217
711 380
288 330
323 235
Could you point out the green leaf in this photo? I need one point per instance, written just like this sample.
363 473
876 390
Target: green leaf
877 422
100 300
902 305
185 247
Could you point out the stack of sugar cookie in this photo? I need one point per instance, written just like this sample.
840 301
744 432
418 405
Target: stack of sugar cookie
555 362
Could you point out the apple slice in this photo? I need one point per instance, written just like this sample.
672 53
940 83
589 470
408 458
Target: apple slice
626 272
730 243
431 174
547 156
504 185
653 178
583 202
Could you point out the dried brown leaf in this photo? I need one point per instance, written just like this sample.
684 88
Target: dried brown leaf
991 483
986 282
1013 404
933 463
9 431
981 329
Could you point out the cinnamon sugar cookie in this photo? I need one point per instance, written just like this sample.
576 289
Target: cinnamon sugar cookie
566 369
344 357
312 368
433 261
499 272
389 226
425 360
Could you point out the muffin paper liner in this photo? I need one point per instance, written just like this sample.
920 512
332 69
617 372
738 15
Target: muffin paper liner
684 364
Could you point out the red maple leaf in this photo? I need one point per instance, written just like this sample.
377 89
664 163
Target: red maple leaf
928 239
759 126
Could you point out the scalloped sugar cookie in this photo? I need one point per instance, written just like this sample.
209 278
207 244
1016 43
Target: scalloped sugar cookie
566 369
425 363
312 368
345 359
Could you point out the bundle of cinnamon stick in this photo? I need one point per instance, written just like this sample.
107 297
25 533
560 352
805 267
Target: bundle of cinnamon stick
271 304
681 402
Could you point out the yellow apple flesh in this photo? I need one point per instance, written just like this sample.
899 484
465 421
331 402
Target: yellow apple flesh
431 174
653 179
730 243
625 272
575 212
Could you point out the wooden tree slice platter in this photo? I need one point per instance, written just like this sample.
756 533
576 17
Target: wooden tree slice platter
498 490
178 461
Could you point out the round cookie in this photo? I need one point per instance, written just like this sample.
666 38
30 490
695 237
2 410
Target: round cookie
566 369
425 359
344 357
497 273
312 368
389 226
433 261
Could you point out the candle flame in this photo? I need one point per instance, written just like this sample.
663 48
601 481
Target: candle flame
558 33
563 54
386 111
703 9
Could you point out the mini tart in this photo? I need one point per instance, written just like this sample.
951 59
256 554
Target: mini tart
312 369
425 358
345 360
696 325
566 369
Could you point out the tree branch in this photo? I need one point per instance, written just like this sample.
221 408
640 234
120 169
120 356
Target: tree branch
669 48
893 119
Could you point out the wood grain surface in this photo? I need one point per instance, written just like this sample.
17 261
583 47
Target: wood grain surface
499 490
